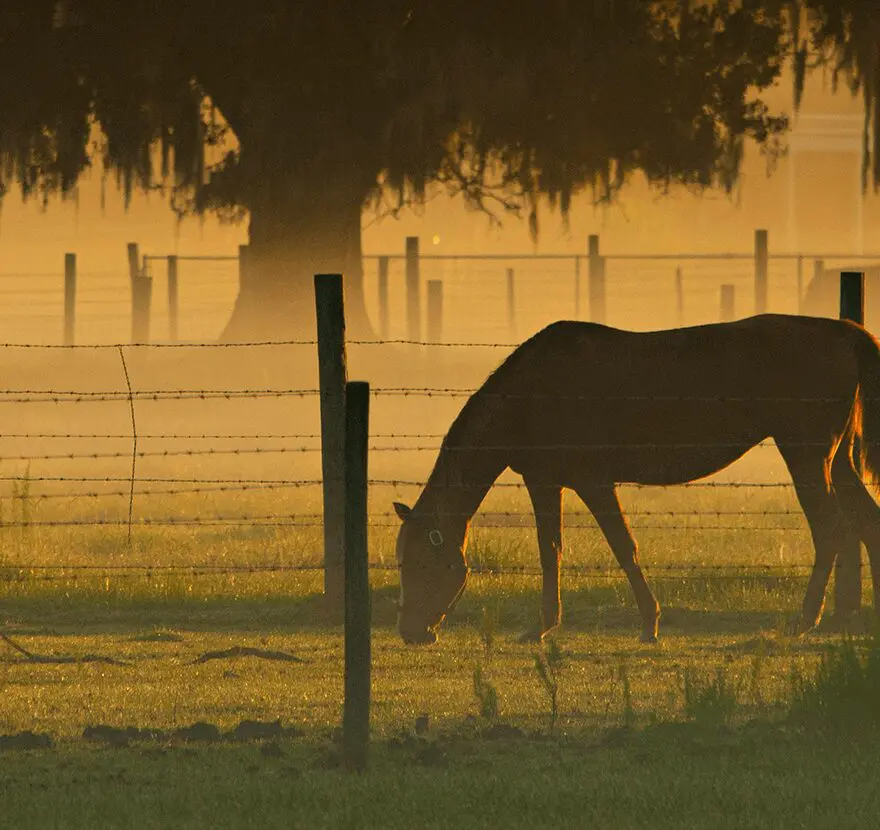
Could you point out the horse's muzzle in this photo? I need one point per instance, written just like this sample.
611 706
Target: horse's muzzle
418 637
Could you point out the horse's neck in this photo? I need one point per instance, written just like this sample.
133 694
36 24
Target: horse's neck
459 482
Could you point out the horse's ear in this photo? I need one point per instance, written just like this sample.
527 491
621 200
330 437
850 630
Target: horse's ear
403 512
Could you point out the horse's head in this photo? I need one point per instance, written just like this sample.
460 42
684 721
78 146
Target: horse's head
430 557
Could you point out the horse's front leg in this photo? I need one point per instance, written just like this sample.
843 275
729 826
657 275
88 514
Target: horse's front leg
547 504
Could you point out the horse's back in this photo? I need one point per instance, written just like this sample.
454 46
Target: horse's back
760 355
672 405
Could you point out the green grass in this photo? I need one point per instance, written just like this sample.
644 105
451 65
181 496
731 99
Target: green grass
692 732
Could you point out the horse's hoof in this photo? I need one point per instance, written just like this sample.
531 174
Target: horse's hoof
530 637
649 637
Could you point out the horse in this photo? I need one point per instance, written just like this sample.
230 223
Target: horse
587 407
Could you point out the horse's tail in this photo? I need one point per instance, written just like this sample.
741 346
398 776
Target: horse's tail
867 420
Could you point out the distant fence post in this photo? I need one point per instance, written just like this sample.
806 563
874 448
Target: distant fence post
172 298
435 311
595 278
330 313
141 296
800 284
848 572
818 271
727 302
413 303
356 706
679 295
511 303
577 288
69 299
383 297
761 254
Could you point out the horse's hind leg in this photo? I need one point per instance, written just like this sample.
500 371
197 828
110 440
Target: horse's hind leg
822 511
605 506
862 513
547 504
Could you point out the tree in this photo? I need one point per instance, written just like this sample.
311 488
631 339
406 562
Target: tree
318 109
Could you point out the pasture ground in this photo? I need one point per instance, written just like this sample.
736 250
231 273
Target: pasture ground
627 749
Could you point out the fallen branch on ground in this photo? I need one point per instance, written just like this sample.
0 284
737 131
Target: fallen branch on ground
247 651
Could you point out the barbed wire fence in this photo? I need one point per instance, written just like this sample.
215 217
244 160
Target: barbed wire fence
138 487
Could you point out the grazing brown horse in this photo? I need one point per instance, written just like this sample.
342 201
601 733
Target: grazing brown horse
588 407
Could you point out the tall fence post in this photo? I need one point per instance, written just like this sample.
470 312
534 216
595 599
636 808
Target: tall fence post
727 302
848 571
383 297
330 313
69 299
679 295
761 254
413 302
173 296
511 303
356 706
141 296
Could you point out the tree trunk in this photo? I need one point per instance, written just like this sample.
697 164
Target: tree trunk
295 233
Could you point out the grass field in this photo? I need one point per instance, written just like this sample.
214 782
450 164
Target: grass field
101 631
633 744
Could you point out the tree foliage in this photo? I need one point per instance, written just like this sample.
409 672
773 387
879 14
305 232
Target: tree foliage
233 105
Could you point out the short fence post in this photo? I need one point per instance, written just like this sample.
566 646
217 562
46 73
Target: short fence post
141 297
435 311
383 297
356 706
330 313
727 302
848 571
577 288
172 298
69 299
679 295
761 254
511 303
597 289
413 303
800 284
595 278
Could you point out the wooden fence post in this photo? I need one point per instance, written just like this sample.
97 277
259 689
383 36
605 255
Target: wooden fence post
356 707
332 370
679 295
577 287
597 289
800 284
172 298
511 303
727 302
594 280
413 302
848 571
761 253
141 297
435 311
383 297
69 299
